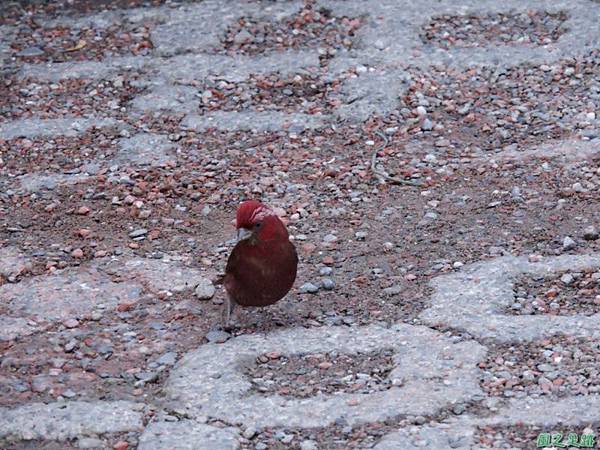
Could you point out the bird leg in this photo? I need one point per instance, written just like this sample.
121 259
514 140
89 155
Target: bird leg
228 307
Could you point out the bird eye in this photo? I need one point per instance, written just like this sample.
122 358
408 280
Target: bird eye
257 225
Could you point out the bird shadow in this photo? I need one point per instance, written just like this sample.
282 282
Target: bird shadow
265 320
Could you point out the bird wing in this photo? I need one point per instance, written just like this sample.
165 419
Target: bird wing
246 255
233 261
260 274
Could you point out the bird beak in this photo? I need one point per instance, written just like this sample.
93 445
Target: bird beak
243 233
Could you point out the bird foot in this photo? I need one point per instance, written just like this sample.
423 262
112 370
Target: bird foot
230 325
227 319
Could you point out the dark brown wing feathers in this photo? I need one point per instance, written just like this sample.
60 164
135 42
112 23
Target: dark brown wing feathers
260 273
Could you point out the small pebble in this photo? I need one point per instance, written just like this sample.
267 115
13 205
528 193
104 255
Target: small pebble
40 383
121 445
458 409
86 442
427 125
309 288
308 445
250 432
31 51
567 279
393 290
147 377
205 290
361 235
70 346
590 233
168 359
69 394
324 271
217 336
328 284
71 323
420 420
330 238
568 243
138 233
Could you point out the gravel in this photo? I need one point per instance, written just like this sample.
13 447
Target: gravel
556 367
564 294
531 28
62 43
306 93
312 27
26 97
312 374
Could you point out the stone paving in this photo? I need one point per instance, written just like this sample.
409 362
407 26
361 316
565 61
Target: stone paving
432 372
422 383
477 301
62 421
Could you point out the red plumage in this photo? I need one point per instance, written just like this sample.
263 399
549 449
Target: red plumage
262 266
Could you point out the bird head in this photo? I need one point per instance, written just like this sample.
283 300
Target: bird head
254 219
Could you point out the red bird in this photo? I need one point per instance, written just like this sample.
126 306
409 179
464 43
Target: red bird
262 266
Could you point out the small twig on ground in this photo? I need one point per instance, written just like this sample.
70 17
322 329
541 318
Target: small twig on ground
381 174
